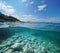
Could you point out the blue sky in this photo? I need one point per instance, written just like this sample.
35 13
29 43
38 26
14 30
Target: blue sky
32 10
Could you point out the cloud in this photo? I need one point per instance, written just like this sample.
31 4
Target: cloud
27 17
32 2
7 8
42 7
28 4
23 1
32 18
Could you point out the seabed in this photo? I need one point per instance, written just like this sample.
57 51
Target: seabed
24 43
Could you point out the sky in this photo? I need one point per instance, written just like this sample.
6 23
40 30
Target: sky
32 10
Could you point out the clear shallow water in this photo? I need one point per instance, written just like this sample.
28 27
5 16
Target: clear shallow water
47 34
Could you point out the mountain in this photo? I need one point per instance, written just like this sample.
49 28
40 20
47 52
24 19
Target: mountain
5 18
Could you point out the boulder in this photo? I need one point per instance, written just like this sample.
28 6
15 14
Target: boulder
17 47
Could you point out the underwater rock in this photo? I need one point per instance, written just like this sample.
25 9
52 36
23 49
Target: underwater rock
29 50
44 50
17 47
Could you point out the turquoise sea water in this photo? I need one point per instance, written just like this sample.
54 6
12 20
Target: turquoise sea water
45 34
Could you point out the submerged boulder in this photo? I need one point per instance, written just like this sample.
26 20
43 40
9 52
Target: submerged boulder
44 50
30 51
17 47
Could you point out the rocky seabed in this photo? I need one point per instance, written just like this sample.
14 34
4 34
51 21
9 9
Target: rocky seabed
20 43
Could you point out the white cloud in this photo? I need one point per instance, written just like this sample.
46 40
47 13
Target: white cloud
32 18
42 7
7 8
27 15
27 18
32 2
23 1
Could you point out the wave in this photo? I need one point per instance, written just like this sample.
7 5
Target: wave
37 26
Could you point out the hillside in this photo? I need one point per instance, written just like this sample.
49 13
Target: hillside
5 18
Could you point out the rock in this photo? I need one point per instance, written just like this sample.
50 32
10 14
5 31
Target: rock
30 50
17 47
8 51
44 50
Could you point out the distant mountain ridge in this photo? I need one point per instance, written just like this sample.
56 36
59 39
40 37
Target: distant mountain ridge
5 18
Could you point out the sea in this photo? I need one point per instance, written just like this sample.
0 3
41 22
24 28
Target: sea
45 36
